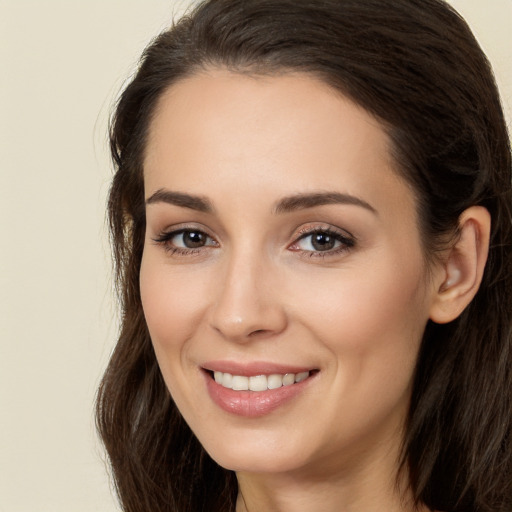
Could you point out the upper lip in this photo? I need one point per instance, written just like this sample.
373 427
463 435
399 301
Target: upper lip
249 369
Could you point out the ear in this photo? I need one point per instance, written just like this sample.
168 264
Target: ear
460 275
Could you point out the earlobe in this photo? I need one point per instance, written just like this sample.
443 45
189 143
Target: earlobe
461 272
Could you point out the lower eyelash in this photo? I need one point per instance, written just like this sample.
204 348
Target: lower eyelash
180 251
326 254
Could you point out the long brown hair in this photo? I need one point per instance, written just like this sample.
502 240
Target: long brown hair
415 65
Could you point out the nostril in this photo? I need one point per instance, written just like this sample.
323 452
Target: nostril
258 332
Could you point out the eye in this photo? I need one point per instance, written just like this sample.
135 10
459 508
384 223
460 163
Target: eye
322 242
185 240
190 239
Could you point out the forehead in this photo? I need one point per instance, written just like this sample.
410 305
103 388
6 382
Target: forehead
221 131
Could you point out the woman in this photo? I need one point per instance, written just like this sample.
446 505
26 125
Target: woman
311 221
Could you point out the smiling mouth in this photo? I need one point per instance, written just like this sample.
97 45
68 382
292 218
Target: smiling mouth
259 382
257 391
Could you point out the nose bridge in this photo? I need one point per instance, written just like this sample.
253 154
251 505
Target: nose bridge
247 303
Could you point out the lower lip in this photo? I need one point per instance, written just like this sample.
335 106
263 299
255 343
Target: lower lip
252 404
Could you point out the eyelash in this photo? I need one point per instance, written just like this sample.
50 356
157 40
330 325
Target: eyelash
346 242
345 239
165 238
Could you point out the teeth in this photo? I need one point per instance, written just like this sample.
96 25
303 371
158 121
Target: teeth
299 377
239 383
258 382
274 381
227 380
289 379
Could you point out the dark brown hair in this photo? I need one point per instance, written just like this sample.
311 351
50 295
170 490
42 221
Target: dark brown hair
415 66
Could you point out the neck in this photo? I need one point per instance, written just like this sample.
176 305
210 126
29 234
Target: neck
371 486
299 496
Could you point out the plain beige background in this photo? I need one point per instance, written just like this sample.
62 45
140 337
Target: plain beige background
61 64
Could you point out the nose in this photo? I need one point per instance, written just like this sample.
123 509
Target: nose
247 304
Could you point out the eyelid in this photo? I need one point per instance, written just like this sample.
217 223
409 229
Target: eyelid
179 228
322 227
167 236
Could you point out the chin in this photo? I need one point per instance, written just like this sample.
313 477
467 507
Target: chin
264 456
270 463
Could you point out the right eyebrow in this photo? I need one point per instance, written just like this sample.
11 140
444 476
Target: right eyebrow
199 203
303 201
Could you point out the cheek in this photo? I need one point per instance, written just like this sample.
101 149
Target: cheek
372 327
172 300
372 320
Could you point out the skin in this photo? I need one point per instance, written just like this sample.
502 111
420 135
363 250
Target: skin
259 291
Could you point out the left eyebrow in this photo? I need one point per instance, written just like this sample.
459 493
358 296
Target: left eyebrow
310 200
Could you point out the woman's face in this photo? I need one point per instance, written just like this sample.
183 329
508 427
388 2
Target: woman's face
281 246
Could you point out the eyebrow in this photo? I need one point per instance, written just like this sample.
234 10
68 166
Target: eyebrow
199 203
285 205
310 200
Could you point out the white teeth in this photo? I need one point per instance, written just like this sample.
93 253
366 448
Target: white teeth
289 379
258 382
299 377
240 383
275 381
227 380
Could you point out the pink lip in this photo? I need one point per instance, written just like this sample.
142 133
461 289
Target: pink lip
252 404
